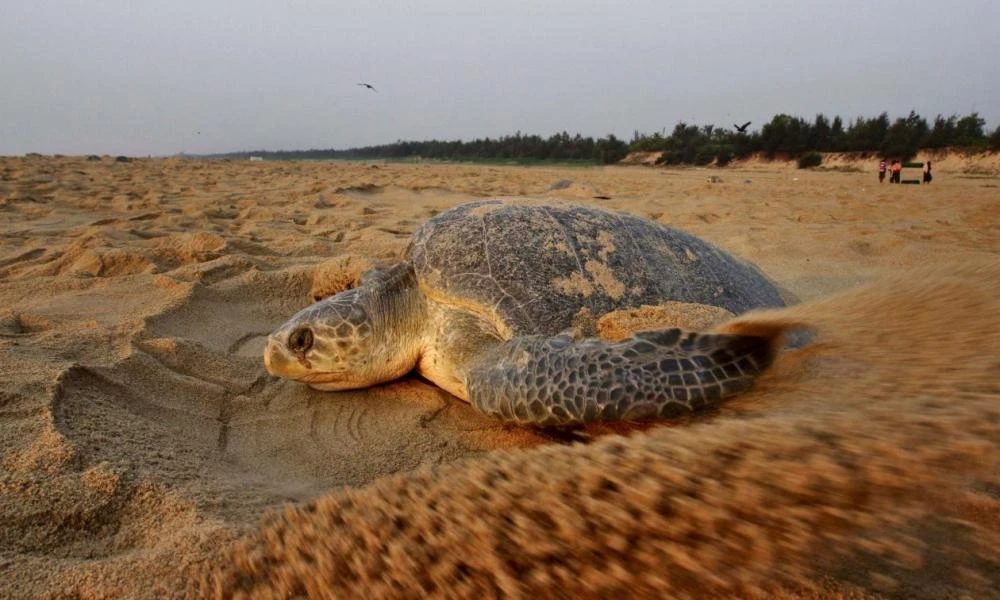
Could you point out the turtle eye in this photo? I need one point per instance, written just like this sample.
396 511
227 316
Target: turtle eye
301 340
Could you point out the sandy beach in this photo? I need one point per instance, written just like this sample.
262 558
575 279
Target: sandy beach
146 453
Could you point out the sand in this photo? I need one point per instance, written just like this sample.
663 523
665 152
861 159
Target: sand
145 452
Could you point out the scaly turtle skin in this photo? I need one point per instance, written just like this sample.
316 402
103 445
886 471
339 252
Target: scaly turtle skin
495 301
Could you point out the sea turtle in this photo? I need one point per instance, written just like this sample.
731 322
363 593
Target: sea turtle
489 306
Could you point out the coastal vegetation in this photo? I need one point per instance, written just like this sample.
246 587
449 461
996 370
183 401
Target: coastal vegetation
796 138
784 136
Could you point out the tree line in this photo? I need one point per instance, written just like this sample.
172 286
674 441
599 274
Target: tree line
560 147
795 137
784 135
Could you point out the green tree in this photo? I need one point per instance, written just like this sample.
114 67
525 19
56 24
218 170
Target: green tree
837 134
867 134
785 134
969 131
905 137
611 149
942 133
819 134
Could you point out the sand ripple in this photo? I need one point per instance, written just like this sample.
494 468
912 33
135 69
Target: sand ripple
142 440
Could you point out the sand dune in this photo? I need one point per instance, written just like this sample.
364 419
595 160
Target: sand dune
143 442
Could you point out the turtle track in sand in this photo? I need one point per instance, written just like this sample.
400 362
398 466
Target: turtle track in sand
191 399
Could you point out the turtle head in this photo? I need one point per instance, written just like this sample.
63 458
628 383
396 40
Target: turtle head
357 338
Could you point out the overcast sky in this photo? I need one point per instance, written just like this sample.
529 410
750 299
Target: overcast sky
161 77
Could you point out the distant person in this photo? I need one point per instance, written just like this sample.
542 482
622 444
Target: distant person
897 170
927 172
881 170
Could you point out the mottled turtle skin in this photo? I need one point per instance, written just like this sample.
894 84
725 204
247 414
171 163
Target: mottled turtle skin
497 302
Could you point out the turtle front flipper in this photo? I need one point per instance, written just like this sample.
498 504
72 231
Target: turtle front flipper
548 381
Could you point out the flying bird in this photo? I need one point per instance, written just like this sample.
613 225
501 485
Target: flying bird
742 128
369 86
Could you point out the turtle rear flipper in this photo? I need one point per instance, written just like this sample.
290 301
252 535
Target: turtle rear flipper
656 374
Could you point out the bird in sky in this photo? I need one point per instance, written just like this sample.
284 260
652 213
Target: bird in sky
742 128
369 86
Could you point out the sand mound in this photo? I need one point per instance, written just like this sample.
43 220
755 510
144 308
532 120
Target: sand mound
339 274
945 160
